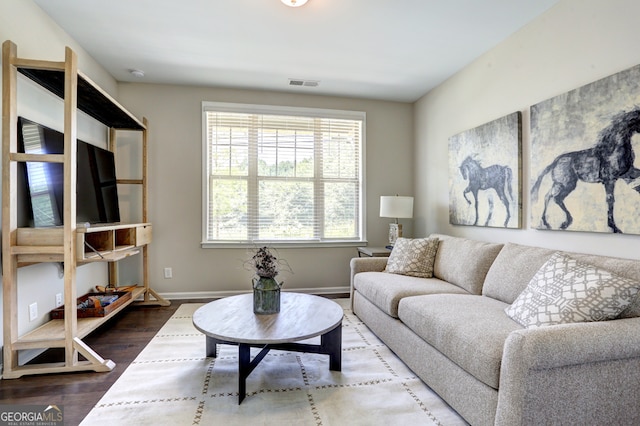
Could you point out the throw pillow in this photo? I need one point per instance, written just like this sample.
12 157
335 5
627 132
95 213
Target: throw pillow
565 290
413 257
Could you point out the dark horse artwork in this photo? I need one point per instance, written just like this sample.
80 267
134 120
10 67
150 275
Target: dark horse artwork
610 159
494 177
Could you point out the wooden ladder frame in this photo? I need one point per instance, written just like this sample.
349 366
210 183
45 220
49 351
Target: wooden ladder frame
65 333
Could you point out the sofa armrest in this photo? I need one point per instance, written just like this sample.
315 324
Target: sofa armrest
366 264
584 373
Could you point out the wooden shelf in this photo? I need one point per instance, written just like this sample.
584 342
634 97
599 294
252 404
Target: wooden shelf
71 244
54 330
110 256
91 98
110 243
113 242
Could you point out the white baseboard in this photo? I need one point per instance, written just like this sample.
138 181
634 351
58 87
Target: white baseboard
220 294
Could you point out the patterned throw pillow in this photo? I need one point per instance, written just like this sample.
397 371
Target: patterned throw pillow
565 290
413 257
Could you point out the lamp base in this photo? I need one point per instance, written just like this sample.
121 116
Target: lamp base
395 232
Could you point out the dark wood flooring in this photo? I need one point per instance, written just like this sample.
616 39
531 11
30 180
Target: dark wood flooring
120 339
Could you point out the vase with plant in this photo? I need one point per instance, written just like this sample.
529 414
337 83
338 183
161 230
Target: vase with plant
266 289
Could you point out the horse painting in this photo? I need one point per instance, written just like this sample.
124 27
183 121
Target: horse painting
494 177
610 159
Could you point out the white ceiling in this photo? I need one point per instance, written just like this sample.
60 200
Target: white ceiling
380 49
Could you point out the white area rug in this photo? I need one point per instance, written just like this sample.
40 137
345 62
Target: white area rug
171 382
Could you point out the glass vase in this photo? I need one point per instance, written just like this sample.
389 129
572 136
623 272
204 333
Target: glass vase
266 295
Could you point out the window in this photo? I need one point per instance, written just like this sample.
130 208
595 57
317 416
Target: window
281 175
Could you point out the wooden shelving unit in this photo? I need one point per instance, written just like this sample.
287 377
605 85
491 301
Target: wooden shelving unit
70 244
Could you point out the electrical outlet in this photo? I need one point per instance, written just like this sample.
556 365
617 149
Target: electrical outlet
33 311
168 273
58 300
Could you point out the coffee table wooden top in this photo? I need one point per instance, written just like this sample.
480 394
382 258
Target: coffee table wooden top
301 316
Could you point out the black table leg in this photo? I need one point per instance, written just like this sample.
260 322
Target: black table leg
211 349
244 361
246 365
331 344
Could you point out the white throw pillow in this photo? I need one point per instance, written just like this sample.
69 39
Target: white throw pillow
413 257
565 290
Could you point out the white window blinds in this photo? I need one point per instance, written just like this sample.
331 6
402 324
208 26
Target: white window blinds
282 174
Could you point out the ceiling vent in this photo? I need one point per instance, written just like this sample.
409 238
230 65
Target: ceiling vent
307 83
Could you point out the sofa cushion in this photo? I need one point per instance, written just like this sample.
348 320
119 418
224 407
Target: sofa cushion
566 290
470 330
385 290
413 257
464 262
516 264
512 270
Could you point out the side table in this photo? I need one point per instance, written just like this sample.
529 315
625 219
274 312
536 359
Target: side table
373 252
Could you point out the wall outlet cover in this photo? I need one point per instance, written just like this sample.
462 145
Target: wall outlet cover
33 311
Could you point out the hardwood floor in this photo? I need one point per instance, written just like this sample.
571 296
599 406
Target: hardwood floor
121 339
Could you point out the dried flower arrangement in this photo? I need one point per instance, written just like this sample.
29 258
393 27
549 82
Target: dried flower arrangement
266 264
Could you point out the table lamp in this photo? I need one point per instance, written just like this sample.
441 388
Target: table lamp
396 207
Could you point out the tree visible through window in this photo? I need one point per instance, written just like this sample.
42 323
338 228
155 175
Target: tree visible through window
282 174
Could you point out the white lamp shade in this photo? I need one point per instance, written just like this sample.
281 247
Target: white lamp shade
396 206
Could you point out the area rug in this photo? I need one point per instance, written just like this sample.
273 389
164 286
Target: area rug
171 382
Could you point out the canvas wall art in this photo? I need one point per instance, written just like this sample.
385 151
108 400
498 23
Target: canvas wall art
584 176
485 174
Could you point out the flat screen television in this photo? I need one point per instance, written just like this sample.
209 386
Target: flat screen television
40 185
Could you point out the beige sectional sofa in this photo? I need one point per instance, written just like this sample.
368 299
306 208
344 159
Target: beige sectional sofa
453 332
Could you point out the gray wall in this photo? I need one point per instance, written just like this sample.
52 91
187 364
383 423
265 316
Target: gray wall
175 194
573 44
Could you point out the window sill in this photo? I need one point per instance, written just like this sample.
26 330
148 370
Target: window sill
305 244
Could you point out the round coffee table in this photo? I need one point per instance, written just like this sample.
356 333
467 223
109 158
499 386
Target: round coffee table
231 321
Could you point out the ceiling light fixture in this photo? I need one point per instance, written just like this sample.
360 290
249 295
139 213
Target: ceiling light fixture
137 73
294 3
